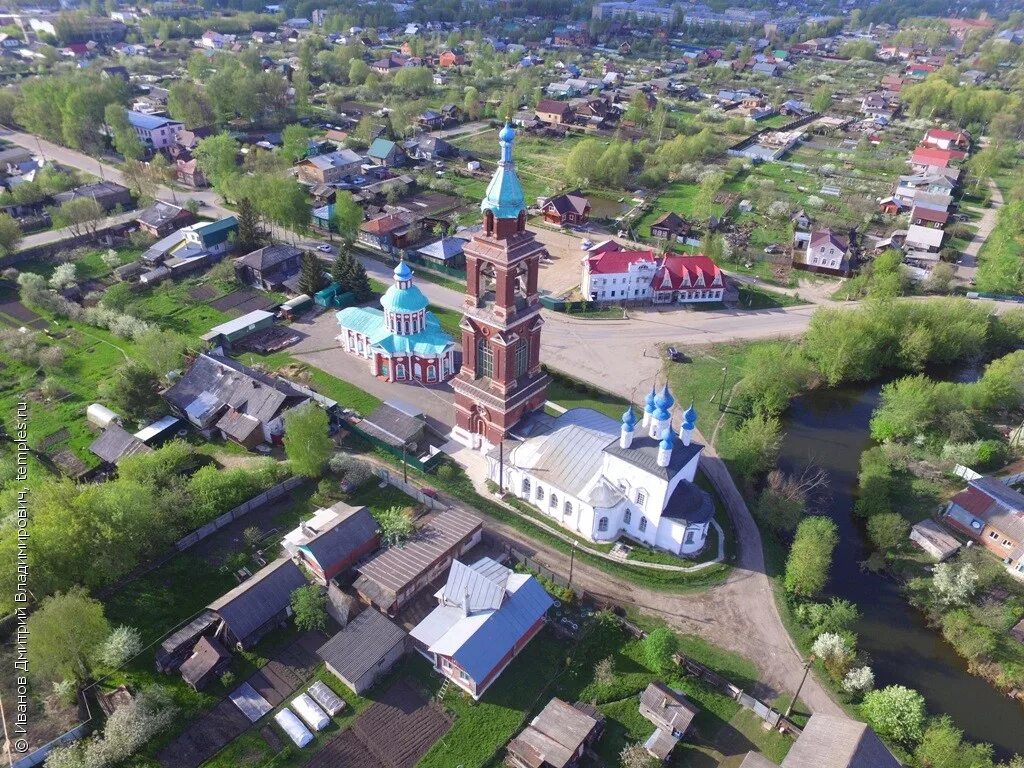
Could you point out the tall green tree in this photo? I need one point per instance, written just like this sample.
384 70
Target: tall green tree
123 136
67 631
133 389
217 157
810 557
309 604
251 235
342 270
188 102
311 274
346 216
306 440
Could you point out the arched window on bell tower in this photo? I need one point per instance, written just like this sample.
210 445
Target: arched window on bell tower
489 222
521 222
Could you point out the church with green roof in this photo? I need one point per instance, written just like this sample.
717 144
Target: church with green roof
402 340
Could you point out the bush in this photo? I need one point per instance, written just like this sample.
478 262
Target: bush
123 644
888 532
859 681
896 713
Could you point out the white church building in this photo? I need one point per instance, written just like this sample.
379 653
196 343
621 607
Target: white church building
602 479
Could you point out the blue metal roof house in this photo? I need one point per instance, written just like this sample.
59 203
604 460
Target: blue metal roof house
486 615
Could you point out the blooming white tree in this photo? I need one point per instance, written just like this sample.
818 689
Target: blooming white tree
952 585
64 276
834 651
123 644
111 259
859 680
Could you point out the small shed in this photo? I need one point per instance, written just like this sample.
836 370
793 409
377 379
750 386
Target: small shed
115 444
367 648
208 660
295 307
333 296
100 416
225 334
934 539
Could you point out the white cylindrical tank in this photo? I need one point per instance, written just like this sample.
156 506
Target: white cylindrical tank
296 731
310 712
100 416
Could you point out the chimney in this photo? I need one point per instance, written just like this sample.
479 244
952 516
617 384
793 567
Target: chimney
465 603
664 702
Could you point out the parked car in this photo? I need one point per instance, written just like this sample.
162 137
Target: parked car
585 244
773 249
324 248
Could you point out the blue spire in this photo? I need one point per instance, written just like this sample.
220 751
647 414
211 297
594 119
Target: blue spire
664 400
689 417
649 401
629 419
403 272
504 197
666 440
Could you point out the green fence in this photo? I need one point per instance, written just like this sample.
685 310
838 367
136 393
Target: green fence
569 307
426 466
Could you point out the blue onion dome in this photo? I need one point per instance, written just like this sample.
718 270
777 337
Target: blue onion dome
666 440
664 400
629 419
661 414
403 271
690 416
507 133
649 405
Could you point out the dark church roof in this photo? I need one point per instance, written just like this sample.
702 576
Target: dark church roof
643 453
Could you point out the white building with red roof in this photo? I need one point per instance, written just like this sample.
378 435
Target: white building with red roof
612 273
940 138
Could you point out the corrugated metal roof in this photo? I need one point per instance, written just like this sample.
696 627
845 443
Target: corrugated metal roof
482 586
480 641
253 603
361 645
838 742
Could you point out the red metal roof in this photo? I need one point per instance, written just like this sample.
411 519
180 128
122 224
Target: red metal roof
682 271
973 500
610 262
935 156
942 133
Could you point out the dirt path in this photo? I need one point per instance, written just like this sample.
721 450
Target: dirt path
968 264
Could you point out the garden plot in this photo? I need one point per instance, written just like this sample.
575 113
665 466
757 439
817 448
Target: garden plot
395 732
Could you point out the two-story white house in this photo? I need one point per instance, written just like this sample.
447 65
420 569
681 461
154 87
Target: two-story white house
603 479
611 273
155 131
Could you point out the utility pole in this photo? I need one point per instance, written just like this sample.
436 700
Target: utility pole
807 669
405 465
721 390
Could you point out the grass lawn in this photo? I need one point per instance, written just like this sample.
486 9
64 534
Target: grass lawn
756 297
563 392
348 395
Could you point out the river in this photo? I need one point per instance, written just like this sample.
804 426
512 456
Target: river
829 428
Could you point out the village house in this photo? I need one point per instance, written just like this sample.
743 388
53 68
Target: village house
189 173
924 238
932 159
602 479
991 513
428 148
390 231
566 210
108 194
554 112
155 131
670 226
486 615
825 251
270 267
402 340
367 648
257 605
217 394
943 139
447 252
333 540
161 219
926 217
831 741
394 576
453 57
671 713
385 152
330 168
557 737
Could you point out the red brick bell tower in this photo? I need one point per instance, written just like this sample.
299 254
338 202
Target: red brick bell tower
500 380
